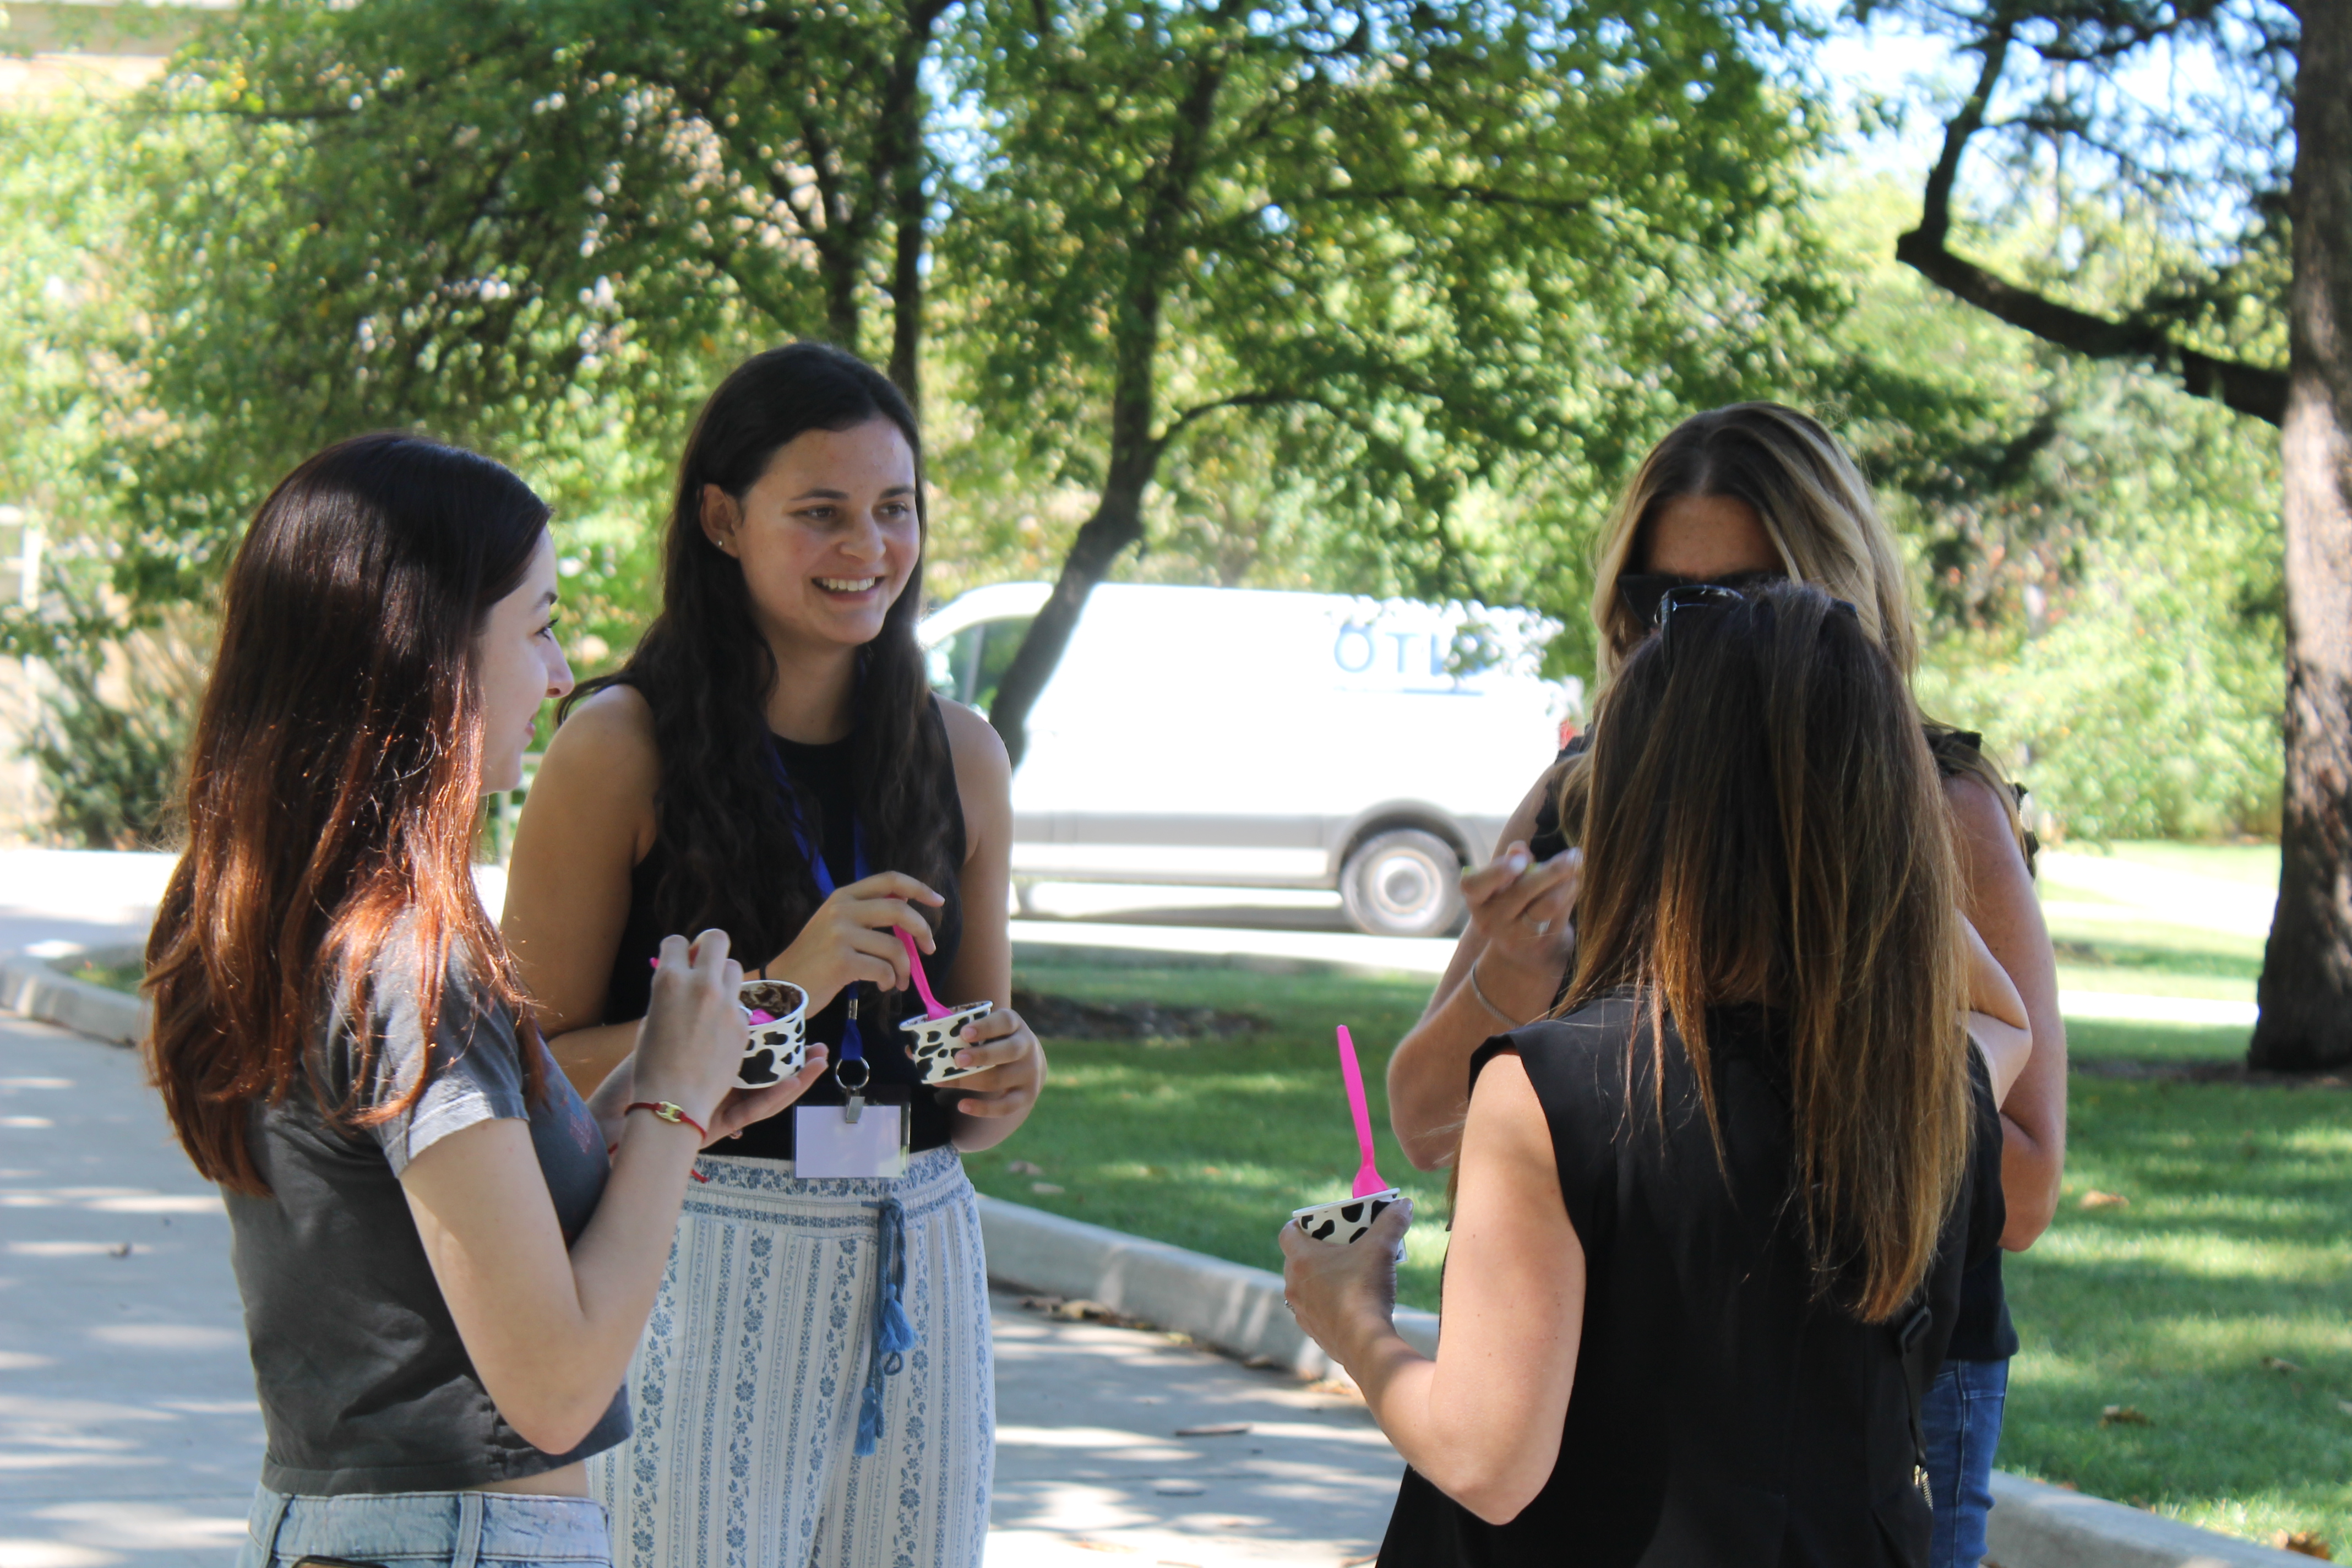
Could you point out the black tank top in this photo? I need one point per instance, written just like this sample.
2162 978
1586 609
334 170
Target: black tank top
822 774
1984 1331
1723 1416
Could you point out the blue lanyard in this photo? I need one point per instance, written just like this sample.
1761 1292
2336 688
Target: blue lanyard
853 1045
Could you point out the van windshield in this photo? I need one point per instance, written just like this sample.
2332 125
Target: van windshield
975 660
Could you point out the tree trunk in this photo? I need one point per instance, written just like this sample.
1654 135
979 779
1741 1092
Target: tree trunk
901 170
1135 446
1117 523
2306 986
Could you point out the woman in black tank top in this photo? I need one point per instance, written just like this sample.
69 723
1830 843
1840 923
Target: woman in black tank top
772 762
1711 1222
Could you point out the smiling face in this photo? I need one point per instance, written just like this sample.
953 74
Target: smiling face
827 535
518 666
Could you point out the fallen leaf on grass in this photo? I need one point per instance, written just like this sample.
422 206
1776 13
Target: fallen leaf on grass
2095 1199
2345 1405
2302 1543
2123 1416
2279 1364
1024 1168
1047 1188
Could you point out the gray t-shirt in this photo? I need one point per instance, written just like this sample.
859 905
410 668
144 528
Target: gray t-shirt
364 1384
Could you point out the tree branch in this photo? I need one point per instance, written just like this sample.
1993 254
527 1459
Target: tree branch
2142 335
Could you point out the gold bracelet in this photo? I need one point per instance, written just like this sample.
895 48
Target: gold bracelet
1488 1001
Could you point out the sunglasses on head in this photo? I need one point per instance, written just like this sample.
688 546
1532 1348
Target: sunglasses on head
1684 597
1642 593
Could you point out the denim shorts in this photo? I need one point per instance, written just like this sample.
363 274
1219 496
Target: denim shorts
412 1530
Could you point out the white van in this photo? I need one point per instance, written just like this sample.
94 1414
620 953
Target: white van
1238 738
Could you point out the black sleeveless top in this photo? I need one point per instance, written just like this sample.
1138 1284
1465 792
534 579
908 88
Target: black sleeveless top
821 775
1722 1413
1984 1331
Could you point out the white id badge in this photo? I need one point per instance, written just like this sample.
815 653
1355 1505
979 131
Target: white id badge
825 1142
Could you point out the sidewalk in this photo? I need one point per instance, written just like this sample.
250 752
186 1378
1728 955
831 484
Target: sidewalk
129 1434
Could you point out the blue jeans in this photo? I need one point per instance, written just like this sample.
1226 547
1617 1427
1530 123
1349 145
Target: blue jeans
413 1530
1961 1419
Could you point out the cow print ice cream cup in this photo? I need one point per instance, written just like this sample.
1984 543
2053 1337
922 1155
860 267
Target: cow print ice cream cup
778 1048
934 1041
1344 1220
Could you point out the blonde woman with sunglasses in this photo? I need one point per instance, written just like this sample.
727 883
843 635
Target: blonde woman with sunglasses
1739 496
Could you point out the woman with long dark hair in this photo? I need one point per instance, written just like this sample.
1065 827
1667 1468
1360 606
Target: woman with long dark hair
770 759
1760 492
445 1260
1710 1221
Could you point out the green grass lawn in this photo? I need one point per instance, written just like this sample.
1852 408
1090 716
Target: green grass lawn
116 969
1211 1143
2217 1304
2235 1244
2256 865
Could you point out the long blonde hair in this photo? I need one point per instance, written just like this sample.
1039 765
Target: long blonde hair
1816 507
1765 824
1814 504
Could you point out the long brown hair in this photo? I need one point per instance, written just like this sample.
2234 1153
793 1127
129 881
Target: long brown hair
335 784
706 672
1765 824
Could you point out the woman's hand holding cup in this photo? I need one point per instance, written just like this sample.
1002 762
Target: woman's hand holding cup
1008 1062
1345 1295
690 1045
852 937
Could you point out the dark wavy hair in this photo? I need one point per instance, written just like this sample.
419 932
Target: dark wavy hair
335 784
706 672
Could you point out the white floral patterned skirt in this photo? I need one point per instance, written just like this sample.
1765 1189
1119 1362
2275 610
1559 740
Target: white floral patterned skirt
760 1367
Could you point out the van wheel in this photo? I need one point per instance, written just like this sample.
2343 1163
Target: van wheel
1404 882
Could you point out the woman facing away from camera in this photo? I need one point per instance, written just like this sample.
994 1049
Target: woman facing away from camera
1710 1219
816 1387
445 1260
1752 493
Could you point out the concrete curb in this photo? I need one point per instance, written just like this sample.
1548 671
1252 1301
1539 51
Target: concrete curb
1230 1306
2037 1526
31 989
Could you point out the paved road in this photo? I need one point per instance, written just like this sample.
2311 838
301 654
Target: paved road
129 1433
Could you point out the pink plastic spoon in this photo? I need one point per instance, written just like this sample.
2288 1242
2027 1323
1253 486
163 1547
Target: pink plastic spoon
1367 1176
758 1014
931 1007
